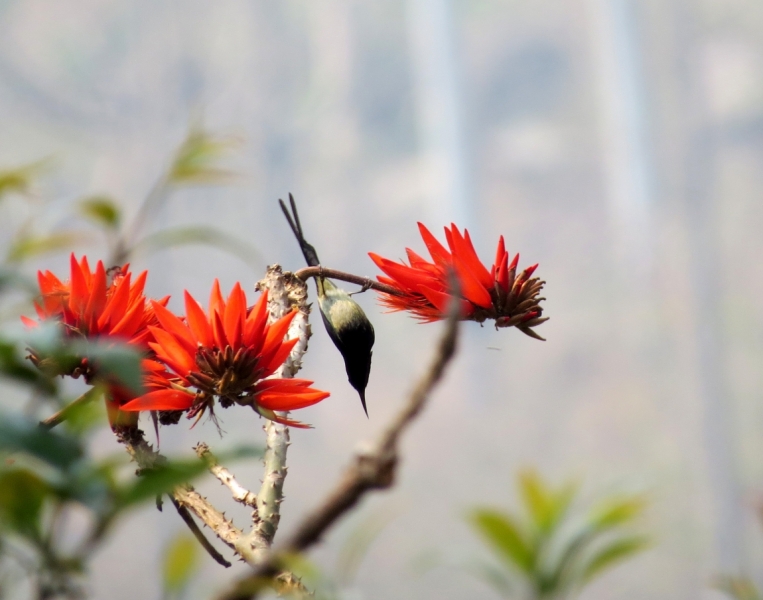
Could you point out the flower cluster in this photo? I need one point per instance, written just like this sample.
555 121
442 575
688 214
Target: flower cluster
225 354
422 286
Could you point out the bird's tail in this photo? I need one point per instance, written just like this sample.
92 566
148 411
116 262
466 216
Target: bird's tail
311 256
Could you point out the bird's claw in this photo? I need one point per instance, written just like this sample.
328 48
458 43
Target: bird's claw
366 286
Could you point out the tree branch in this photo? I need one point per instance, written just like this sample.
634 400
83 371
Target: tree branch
366 282
197 533
371 469
238 491
285 293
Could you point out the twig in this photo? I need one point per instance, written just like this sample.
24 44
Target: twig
366 282
238 491
372 469
63 414
205 543
126 241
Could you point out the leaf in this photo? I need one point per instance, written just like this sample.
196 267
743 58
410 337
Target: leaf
20 179
14 367
180 561
740 588
28 245
195 160
160 480
612 553
166 476
544 505
495 578
505 537
102 211
17 435
22 495
12 279
115 363
85 413
199 234
617 511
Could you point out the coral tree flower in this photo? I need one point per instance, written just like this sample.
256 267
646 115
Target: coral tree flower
100 304
499 293
90 306
227 354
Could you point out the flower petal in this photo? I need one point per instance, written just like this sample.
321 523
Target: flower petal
175 326
254 327
160 400
464 251
198 322
438 252
235 314
170 351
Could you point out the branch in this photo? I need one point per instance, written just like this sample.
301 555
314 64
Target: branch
59 417
183 497
366 282
285 292
188 519
238 491
372 469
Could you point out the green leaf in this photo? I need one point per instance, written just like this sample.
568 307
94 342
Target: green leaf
199 234
20 179
12 279
544 504
617 511
17 435
85 413
102 211
195 160
495 578
164 477
22 495
612 553
180 561
160 480
16 368
505 537
115 363
28 245
740 588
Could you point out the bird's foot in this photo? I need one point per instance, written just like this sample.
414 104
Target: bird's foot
365 287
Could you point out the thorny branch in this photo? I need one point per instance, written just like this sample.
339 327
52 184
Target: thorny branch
238 491
371 469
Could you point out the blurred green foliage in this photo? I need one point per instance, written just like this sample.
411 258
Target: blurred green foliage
546 552
738 587
19 180
180 561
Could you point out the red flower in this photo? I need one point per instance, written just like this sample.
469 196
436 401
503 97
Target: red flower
100 304
89 306
226 354
496 294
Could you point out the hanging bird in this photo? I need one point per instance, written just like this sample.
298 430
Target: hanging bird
346 323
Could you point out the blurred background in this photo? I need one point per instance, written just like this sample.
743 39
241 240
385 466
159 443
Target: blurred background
616 142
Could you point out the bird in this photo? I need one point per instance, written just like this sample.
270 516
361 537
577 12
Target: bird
344 319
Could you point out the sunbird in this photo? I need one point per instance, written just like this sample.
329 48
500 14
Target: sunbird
346 323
